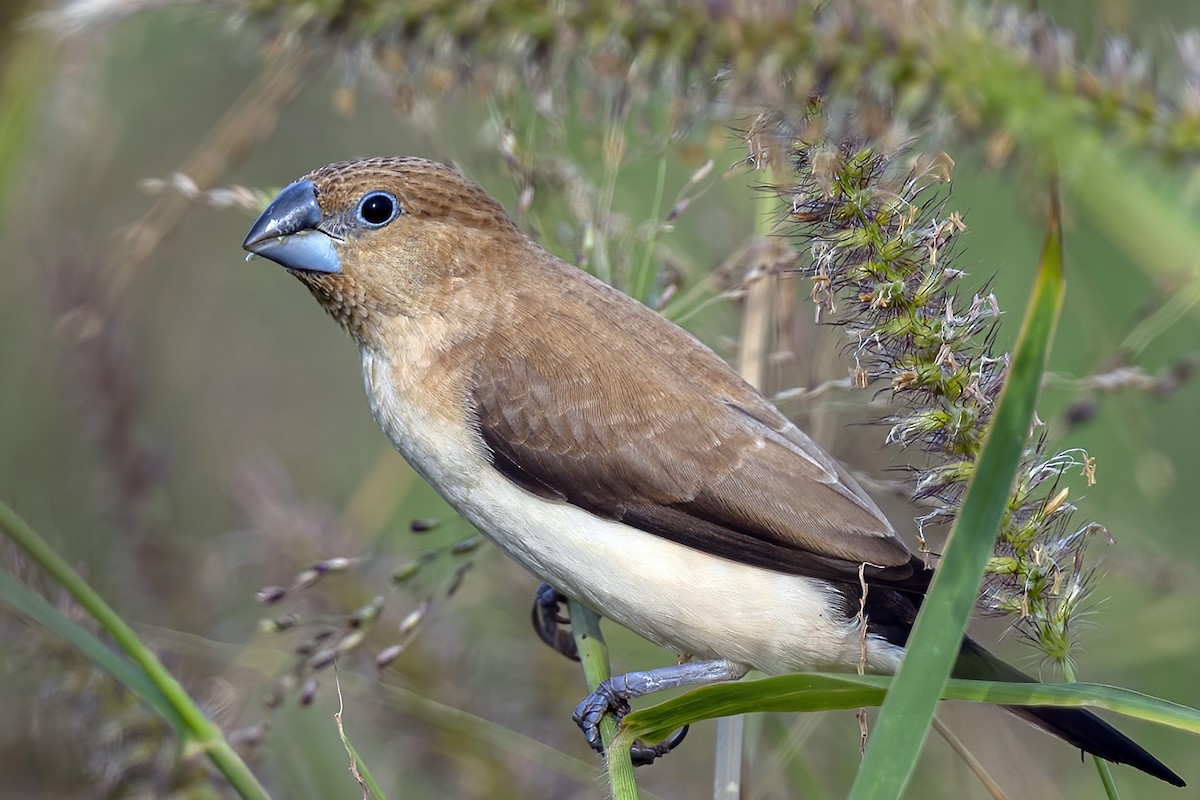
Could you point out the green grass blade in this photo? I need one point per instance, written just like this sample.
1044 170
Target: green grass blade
26 65
904 721
358 767
644 278
28 602
828 692
200 734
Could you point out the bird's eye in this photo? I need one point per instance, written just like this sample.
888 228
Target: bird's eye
378 209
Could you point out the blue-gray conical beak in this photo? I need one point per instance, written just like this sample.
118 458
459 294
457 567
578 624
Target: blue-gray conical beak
286 232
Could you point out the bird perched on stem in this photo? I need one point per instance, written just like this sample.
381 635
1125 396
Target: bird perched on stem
607 450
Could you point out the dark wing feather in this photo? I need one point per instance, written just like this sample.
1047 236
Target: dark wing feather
658 432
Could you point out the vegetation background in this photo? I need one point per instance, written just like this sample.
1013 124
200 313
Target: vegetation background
187 428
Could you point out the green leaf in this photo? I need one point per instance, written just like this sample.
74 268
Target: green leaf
813 691
899 734
28 602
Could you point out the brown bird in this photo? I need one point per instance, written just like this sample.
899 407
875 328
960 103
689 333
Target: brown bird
605 449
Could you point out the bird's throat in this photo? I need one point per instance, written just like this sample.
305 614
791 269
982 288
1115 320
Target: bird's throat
344 299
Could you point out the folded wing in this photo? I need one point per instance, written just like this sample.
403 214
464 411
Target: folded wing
667 438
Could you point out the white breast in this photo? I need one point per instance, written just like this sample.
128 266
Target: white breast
678 597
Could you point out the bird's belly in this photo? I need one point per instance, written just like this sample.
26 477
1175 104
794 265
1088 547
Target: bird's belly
681 598
678 597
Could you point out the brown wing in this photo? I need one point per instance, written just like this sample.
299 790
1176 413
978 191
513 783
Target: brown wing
658 432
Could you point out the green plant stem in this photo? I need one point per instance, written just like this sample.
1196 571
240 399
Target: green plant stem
641 286
593 655
200 733
358 767
753 345
1102 766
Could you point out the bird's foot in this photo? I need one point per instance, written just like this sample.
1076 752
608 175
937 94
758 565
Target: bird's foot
607 699
612 697
551 623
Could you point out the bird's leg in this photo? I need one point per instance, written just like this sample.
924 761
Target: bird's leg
550 621
613 695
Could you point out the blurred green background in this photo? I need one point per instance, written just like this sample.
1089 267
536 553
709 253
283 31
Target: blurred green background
187 428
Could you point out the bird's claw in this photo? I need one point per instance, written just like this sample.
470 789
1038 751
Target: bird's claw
643 754
551 623
610 697
606 699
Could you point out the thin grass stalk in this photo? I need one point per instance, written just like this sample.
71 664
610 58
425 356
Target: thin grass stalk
790 759
644 279
751 363
234 137
727 761
1102 766
358 768
977 769
753 346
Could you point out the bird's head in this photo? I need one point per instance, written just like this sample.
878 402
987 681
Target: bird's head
383 237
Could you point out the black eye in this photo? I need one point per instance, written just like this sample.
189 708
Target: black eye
378 209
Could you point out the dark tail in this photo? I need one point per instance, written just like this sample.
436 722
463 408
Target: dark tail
1074 725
